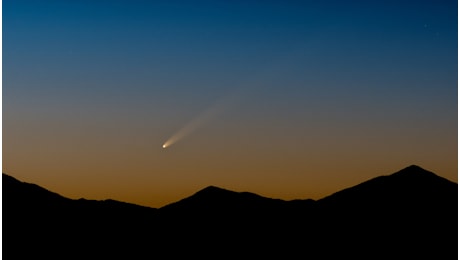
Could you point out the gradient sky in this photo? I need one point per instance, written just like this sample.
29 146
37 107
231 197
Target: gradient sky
307 97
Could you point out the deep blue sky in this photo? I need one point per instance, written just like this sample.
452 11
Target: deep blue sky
352 86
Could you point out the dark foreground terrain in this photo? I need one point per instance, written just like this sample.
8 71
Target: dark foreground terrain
411 214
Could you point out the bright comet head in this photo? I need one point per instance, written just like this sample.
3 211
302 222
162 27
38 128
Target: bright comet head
164 146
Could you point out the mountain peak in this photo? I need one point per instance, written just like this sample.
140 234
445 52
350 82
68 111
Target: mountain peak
414 167
414 170
212 190
409 183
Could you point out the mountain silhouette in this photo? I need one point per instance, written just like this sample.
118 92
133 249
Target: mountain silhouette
409 214
411 183
413 211
221 200
43 224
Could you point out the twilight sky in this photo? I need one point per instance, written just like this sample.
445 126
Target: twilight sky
286 99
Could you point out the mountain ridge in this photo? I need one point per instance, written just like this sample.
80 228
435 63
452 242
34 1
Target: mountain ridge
212 190
414 208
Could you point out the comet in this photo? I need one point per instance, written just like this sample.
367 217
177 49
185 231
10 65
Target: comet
201 119
193 125
239 92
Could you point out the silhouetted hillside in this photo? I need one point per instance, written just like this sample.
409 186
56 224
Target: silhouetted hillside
409 214
37 222
411 183
404 211
223 201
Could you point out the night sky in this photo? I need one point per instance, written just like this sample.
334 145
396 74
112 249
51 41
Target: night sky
286 99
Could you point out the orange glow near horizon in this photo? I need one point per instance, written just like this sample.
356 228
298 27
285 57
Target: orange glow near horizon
122 166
